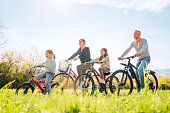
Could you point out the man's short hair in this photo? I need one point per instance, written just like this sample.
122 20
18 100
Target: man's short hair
83 41
138 31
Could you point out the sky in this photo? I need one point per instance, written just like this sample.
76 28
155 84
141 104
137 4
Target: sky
59 24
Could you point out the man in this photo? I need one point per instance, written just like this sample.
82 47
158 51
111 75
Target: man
141 47
83 54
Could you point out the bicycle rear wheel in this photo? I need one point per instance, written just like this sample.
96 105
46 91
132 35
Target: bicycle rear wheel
151 81
125 82
25 88
84 85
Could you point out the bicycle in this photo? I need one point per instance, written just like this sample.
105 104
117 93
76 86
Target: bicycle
29 87
66 75
127 74
85 83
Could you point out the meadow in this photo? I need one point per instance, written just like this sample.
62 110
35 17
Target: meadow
13 74
143 102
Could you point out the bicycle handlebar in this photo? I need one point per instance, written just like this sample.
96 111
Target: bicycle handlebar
69 61
94 62
131 57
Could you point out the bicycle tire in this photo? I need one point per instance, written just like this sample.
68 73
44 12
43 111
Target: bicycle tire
27 85
156 80
90 80
64 75
128 76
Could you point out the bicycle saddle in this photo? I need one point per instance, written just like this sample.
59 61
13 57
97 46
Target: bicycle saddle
105 74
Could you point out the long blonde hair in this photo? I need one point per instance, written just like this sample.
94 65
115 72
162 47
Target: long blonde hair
51 52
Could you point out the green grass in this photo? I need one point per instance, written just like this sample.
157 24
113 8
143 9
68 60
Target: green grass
146 101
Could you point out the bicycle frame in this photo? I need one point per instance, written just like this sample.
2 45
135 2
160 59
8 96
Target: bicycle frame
38 82
70 71
129 68
96 74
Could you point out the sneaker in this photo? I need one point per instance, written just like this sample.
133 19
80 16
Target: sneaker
40 91
102 87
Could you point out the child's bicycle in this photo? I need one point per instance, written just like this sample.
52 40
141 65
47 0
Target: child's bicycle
86 84
28 87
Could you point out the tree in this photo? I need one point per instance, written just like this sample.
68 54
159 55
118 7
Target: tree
17 66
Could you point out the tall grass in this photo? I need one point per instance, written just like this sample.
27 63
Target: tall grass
145 101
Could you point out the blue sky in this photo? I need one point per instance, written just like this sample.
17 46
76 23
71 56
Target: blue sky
59 24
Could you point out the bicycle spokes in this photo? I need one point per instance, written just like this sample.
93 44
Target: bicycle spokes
83 85
151 83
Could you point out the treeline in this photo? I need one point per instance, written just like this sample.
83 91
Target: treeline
13 66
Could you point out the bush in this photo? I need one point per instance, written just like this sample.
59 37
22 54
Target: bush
14 67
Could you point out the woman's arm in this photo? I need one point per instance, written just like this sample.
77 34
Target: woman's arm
74 55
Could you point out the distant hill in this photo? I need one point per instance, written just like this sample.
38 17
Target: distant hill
163 72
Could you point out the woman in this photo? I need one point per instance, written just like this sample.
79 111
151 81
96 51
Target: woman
83 54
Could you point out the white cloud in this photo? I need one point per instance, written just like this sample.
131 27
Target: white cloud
125 11
151 5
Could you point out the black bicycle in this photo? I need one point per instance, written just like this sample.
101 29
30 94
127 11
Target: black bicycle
126 75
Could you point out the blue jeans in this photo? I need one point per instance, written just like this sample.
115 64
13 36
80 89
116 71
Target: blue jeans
48 76
141 65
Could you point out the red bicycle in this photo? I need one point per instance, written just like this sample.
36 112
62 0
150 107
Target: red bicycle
86 84
29 87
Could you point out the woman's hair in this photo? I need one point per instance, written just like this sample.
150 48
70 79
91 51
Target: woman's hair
83 41
106 54
50 52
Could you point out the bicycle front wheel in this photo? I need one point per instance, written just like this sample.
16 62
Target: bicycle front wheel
64 81
25 88
84 85
125 82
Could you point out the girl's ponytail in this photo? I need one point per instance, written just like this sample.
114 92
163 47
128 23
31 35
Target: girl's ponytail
51 52
54 56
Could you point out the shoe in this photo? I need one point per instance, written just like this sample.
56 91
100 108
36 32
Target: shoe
102 87
40 91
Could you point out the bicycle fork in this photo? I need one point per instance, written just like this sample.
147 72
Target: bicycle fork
123 80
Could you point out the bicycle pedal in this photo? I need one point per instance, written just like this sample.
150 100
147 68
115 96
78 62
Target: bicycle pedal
121 84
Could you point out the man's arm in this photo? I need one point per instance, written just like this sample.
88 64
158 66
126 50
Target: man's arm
127 50
145 46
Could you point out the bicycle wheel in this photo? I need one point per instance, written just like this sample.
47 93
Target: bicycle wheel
64 81
125 82
84 85
25 88
151 81
114 85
